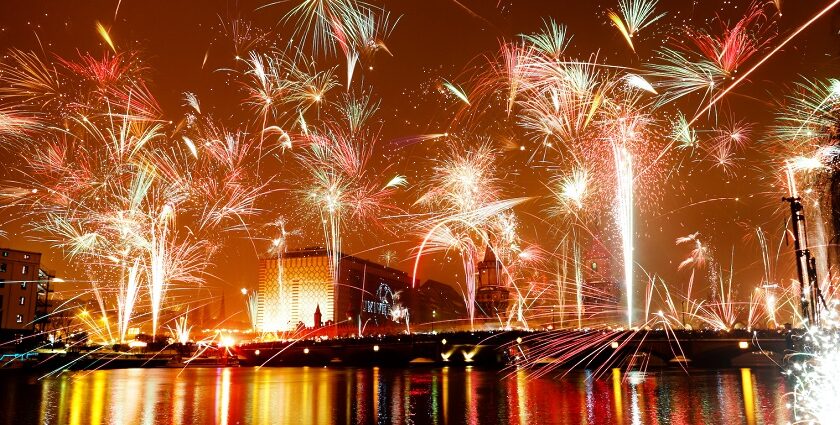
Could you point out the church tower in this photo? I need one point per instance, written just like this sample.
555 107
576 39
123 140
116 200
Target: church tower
318 322
492 295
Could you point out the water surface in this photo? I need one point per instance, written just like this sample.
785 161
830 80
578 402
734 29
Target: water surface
421 395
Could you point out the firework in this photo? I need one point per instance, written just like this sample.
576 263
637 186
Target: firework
633 16
457 91
624 218
103 32
108 192
814 372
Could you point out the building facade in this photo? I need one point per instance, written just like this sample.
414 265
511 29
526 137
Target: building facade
296 284
492 295
19 277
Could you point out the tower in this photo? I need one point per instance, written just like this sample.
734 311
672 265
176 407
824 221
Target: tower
492 296
317 317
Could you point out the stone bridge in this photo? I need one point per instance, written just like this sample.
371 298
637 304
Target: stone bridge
568 348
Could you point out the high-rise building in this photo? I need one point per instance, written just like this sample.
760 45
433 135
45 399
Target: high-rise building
293 285
19 277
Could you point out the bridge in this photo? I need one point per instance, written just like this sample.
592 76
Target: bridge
567 348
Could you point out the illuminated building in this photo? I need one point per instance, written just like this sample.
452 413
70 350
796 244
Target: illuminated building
492 296
295 285
22 298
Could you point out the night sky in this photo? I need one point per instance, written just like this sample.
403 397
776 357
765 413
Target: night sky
446 40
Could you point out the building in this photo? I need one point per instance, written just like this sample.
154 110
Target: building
436 302
44 304
19 277
602 292
295 285
492 296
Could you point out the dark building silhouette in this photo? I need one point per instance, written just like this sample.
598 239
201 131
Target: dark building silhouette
435 301
24 293
318 318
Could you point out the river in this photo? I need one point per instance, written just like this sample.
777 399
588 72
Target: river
421 395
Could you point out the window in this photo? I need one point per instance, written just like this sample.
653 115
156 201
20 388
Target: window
22 301
19 318
5 253
2 267
23 285
24 269
25 256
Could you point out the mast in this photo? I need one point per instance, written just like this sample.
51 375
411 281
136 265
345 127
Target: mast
806 265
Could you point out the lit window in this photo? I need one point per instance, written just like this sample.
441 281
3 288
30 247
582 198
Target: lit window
5 253
25 256
24 269
22 301
19 318
23 285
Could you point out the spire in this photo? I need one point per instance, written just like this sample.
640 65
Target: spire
317 315
489 255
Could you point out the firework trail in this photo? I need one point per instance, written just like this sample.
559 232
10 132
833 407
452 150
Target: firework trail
461 187
764 59
633 16
112 183
181 330
624 218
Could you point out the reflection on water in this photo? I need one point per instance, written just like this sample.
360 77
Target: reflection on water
374 395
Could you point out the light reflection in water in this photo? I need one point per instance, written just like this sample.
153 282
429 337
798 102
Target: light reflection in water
616 385
179 400
471 404
223 397
147 398
98 396
76 402
445 378
522 395
636 378
589 399
383 395
749 403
